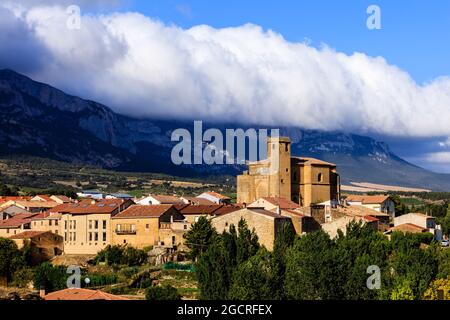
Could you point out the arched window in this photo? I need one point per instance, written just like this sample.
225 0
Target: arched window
320 177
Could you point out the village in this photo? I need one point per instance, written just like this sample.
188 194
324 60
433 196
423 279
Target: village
303 193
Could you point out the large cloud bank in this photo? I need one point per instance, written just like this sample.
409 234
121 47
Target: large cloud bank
142 67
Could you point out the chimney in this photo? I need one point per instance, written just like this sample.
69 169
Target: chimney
93 201
42 292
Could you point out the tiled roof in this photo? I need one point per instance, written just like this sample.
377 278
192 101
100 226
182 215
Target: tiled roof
138 211
282 203
217 195
314 161
367 199
37 204
44 197
226 209
106 206
198 201
81 294
62 198
267 213
27 235
200 209
16 221
408 227
167 199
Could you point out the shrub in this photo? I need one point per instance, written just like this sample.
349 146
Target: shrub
162 293
50 277
121 255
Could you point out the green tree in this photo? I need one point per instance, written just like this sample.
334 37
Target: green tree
49 277
199 237
247 242
256 278
164 293
310 268
6 191
11 258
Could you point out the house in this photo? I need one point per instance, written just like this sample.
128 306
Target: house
10 211
85 225
19 223
31 205
380 203
408 228
417 221
196 201
92 194
215 197
302 222
266 224
139 226
341 223
61 199
41 197
79 294
193 212
305 181
159 199
123 196
44 245
47 221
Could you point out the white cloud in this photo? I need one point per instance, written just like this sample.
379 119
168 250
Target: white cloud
445 143
142 67
438 157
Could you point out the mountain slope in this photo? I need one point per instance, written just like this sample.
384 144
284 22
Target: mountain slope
39 120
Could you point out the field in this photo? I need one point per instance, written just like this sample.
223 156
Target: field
373 187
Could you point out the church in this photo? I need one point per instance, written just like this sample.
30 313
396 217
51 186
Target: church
306 181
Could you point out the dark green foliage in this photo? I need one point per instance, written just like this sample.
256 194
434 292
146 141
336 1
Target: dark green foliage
11 258
96 280
247 242
199 237
178 266
6 191
121 255
49 277
164 293
256 278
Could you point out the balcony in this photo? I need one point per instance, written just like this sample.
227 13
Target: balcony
125 232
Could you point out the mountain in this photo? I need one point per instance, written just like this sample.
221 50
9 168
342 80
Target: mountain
39 120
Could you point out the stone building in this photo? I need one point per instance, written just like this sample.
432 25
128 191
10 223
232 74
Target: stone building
44 245
266 224
152 225
303 180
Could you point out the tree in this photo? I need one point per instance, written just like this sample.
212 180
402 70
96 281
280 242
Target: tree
256 278
199 237
247 242
121 255
444 264
403 291
310 268
49 277
6 191
11 258
166 293
439 290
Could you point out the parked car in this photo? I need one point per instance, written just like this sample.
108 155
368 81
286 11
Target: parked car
445 243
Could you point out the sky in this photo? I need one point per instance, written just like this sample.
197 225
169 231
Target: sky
313 64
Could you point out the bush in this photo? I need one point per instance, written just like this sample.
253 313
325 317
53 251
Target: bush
11 258
50 277
162 293
179 267
97 280
121 255
23 277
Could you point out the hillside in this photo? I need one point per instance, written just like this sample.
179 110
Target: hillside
39 120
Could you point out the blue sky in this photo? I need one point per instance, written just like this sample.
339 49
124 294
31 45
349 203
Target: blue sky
414 34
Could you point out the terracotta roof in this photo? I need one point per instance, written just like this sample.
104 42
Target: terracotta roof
27 235
138 211
226 209
166 199
62 198
371 219
217 195
200 209
267 213
367 199
180 206
7 198
408 227
81 294
37 204
282 203
44 197
106 206
314 161
294 213
198 201
16 221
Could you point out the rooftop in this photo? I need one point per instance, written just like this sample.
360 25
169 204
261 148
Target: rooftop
138 211
378 199
27 235
81 294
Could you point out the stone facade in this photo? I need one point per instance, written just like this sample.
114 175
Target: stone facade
265 223
43 245
303 180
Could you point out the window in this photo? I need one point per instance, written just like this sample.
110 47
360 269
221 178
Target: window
104 224
74 236
96 224
74 224
56 222
96 236
185 227
65 236
70 236
286 147
320 177
50 222
42 223
90 224
7 230
147 226
65 224
90 236
56 232
104 236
